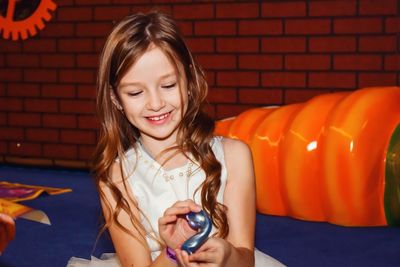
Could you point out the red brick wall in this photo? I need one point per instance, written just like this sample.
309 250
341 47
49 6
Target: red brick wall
255 53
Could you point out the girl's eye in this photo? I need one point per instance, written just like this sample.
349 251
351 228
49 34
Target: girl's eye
134 93
168 86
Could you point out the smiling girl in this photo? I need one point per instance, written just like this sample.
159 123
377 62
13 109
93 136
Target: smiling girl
157 158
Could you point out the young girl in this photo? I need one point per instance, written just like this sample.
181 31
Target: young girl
157 158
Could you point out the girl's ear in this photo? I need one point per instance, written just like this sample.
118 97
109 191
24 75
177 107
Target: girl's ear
115 101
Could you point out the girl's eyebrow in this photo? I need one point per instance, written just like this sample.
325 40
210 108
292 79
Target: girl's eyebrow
162 77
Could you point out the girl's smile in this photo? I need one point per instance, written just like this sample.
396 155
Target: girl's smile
160 119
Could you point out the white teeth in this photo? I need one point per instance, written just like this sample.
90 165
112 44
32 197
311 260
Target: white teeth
158 118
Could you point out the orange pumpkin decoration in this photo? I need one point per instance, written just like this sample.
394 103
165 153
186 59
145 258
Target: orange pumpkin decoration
328 159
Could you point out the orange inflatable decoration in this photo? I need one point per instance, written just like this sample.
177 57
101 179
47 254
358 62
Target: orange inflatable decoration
334 158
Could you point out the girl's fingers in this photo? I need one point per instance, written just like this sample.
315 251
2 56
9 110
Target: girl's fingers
183 258
166 219
177 210
182 207
204 256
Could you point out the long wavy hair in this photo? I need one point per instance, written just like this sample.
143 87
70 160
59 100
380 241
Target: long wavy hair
126 43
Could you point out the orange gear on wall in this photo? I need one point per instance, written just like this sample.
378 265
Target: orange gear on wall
15 30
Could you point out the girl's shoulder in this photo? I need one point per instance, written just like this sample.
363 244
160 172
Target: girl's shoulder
232 145
231 150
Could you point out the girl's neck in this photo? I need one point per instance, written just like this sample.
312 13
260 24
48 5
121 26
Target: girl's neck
158 150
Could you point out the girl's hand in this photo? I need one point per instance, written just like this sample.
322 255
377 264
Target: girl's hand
213 253
173 227
7 230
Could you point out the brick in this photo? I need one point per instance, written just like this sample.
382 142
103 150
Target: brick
40 105
332 44
86 91
201 44
260 27
392 25
307 26
283 44
25 149
7 46
217 61
392 62
210 77
238 78
10 75
25 60
225 111
283 9
11 133
307 62
98 45
10 104
210 110
357 62
193 11
260 96
301 96
23 90
377 79
77 137
42 135
93 29
59 121
237 10
377 43
3 118
60 151
237 45
111 13
185 27
260 62
86 152
96 2
77 76
39 45
167 9
75 45
283 79
57 60
65 2
333 8
40 75
222 95
58 30
218 28
332 80
88 60
3 149
373 7
88 122
58 91
73 14
77 107
357 25
24 119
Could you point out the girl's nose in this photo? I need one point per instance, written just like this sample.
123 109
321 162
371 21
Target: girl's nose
155 101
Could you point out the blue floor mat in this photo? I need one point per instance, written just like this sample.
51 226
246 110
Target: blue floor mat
75 219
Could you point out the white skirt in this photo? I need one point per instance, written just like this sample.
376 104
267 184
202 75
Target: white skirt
111 260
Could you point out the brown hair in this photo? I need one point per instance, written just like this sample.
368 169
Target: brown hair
127 42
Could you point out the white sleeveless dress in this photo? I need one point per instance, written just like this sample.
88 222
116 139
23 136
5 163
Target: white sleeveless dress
156 189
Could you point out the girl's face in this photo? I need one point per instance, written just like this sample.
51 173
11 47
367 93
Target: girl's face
151 96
